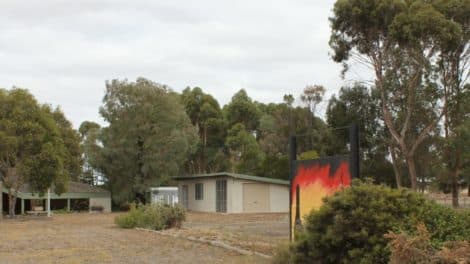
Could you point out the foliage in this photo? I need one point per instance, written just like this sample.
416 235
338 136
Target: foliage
73 153
308 155
406 44
351 224
152 216
205 113
244 151
35 147
408 249
89 135
241 109
148 139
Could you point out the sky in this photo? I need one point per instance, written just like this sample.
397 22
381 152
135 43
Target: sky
64 51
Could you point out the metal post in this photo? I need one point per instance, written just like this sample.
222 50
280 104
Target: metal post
292 158
354 150
48 203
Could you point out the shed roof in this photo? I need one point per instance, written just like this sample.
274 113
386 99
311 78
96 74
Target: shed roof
233 175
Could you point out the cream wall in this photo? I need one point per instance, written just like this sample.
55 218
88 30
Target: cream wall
278 195
207 204
279 198
104 202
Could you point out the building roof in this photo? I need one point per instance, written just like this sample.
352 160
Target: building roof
75 190
233 175
73 187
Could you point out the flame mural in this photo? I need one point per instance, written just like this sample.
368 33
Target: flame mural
315 179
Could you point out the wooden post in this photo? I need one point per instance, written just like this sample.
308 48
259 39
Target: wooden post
1 201
22 206
68 204
48 203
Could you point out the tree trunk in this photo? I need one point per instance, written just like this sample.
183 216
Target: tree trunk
11 204
455 189
396 170
412 171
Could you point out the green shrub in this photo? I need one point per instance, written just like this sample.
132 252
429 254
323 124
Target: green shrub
351 225
154 216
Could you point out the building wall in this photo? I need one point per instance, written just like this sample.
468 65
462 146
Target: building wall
278 195
279 198
105 202
207 204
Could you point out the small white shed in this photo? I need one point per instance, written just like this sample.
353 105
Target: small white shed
167 195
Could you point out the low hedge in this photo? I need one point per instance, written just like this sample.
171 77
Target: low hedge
153 216
351 225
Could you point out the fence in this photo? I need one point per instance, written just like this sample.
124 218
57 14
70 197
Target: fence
446 199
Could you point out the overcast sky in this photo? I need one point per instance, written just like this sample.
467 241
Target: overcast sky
63 51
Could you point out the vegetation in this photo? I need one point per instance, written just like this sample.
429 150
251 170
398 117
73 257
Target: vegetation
351 225
38 146
418 52
417 249
152 216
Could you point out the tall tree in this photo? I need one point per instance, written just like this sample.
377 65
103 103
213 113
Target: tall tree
73 160
205 113
89 135
245 154
148 138
397 40
31 148
241 109
454 71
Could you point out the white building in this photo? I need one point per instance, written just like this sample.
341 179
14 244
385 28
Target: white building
167 195
233 193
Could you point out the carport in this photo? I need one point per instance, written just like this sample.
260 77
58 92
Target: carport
79 197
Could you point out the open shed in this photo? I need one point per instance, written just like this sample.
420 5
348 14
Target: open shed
79 197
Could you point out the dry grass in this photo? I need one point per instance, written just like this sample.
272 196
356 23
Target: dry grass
93 238
254 232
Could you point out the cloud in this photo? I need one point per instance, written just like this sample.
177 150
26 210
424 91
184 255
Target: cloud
63 51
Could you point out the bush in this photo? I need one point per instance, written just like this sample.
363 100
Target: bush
154 216
418 249
351 225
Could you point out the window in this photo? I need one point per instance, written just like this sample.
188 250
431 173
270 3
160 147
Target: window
221 196
199 193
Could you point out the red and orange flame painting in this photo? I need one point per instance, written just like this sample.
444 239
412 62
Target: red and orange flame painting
317 179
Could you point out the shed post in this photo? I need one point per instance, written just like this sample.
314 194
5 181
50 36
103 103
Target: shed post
68 204
48 202
22 206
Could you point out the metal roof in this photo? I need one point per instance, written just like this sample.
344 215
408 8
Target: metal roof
75 190
233 175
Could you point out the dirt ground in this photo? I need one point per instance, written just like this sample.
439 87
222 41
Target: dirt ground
93 238
254 232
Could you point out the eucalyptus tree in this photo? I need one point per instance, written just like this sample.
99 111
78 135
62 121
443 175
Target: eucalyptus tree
206 114
148 138
454 72
32 150
399 41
